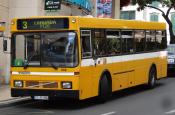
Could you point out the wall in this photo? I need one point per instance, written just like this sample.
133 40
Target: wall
4 57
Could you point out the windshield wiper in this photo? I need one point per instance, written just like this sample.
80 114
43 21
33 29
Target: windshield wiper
53 65
26 64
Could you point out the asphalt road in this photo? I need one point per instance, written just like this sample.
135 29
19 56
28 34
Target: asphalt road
133 101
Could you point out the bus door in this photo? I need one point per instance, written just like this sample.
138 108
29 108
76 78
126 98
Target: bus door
87 64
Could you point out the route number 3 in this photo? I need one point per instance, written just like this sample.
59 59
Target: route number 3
24 25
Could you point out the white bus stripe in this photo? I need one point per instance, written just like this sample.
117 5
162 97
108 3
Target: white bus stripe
124 58
44 73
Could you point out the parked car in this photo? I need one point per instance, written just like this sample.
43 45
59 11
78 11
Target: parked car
171 57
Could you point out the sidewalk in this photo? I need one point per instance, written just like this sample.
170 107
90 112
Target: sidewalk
5 97
5 93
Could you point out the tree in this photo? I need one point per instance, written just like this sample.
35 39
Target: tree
170 4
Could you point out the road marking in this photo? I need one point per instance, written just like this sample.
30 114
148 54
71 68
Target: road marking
41 112
170 112
109 113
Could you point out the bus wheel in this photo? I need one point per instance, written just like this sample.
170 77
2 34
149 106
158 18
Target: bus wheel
152 78
104 89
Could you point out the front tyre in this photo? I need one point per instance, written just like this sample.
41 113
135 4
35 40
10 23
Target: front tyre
104 89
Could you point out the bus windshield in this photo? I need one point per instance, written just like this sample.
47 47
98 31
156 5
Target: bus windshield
58 49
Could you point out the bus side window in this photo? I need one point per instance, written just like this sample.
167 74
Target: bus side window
86 43
150 40
127 41
113 42
139 40
161 39
100 42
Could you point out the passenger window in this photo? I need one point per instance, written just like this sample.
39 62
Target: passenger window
140 40
100 42
161 41
86 43
150 40
113 42
127 41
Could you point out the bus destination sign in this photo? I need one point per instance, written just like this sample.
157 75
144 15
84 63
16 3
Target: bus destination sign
43 24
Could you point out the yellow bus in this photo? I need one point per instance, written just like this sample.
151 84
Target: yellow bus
82 57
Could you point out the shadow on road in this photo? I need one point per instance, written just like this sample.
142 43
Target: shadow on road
133 91
68 104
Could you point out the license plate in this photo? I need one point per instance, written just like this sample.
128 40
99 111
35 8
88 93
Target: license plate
170 61
41 97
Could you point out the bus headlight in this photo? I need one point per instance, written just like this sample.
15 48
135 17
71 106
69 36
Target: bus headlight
18 83
66 85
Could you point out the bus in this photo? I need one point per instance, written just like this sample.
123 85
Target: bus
82 57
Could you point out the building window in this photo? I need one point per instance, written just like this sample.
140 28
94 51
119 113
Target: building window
154 17
173 21
155 4
128 15
4 45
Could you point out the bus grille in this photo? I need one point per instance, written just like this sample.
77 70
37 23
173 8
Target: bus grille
32 84
37 84
50 85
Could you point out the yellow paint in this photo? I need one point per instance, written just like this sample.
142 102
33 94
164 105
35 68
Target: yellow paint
2 28
87 81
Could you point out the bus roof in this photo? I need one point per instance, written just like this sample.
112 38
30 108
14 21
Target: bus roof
91 22
120 24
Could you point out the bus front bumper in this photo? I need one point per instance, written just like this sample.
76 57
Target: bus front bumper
73 94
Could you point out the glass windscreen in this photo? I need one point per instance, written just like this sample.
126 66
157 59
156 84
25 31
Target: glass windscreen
45 49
